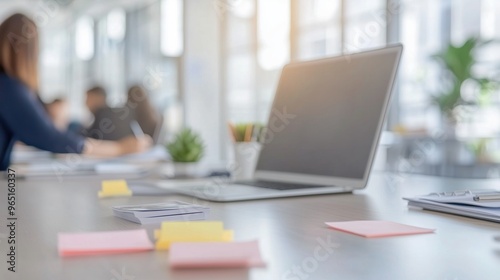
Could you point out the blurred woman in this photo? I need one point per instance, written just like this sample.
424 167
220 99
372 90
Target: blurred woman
22 116
143 112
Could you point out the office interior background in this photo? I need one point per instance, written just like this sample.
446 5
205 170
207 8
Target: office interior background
207 62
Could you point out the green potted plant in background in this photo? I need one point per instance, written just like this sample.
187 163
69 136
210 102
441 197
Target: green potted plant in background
186 150
456 102
457 62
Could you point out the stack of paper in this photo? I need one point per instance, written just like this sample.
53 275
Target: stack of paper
109 242
159 212
205 231
460 203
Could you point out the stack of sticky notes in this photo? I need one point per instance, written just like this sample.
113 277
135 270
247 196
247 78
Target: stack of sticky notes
199 244
159 212
215 254
109 242
198 231
111 188
205 244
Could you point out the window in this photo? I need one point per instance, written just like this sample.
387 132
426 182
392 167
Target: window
318 25
273 29
240 62
139 45
424 30
55 46
257 45
84 42
116 24
427 27
330 27
365 24
172 27
109 64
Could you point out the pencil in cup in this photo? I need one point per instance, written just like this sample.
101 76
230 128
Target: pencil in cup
246 132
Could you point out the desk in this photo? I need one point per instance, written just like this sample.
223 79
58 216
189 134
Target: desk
291 233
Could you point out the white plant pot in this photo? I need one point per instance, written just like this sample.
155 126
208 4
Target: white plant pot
185 169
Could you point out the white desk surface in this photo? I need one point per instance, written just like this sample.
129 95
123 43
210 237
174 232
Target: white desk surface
288 229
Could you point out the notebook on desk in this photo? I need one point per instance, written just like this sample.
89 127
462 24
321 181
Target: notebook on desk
322 132
464 203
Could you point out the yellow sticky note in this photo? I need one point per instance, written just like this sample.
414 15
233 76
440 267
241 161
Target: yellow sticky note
112 188
198 231
228 235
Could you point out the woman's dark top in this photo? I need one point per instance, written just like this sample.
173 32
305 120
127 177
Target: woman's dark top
23 118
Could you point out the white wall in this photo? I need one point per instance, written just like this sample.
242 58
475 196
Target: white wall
201 70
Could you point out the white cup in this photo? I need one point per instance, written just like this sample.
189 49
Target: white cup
246 155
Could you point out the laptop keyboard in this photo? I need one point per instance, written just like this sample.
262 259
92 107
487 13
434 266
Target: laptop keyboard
278 185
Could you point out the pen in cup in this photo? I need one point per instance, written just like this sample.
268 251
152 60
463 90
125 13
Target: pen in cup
248 133
232 129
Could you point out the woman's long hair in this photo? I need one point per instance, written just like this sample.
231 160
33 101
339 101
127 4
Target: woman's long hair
19 50
145 114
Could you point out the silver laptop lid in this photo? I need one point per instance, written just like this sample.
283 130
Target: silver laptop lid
327 117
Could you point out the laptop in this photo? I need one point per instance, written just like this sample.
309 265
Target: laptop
322 132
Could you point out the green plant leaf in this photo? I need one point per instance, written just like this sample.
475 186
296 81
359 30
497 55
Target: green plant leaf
457 62
186 147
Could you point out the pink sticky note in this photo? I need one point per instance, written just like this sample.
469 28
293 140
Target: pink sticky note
377 228
215 254
107 242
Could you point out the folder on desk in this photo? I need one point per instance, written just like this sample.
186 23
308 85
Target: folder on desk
460 203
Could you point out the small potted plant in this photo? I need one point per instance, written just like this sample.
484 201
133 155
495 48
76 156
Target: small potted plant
186 150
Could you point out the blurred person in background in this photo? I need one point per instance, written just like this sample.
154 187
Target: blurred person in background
143 112
58 113
109 123
22 115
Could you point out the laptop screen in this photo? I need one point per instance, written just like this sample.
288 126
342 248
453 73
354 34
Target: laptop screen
326 115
